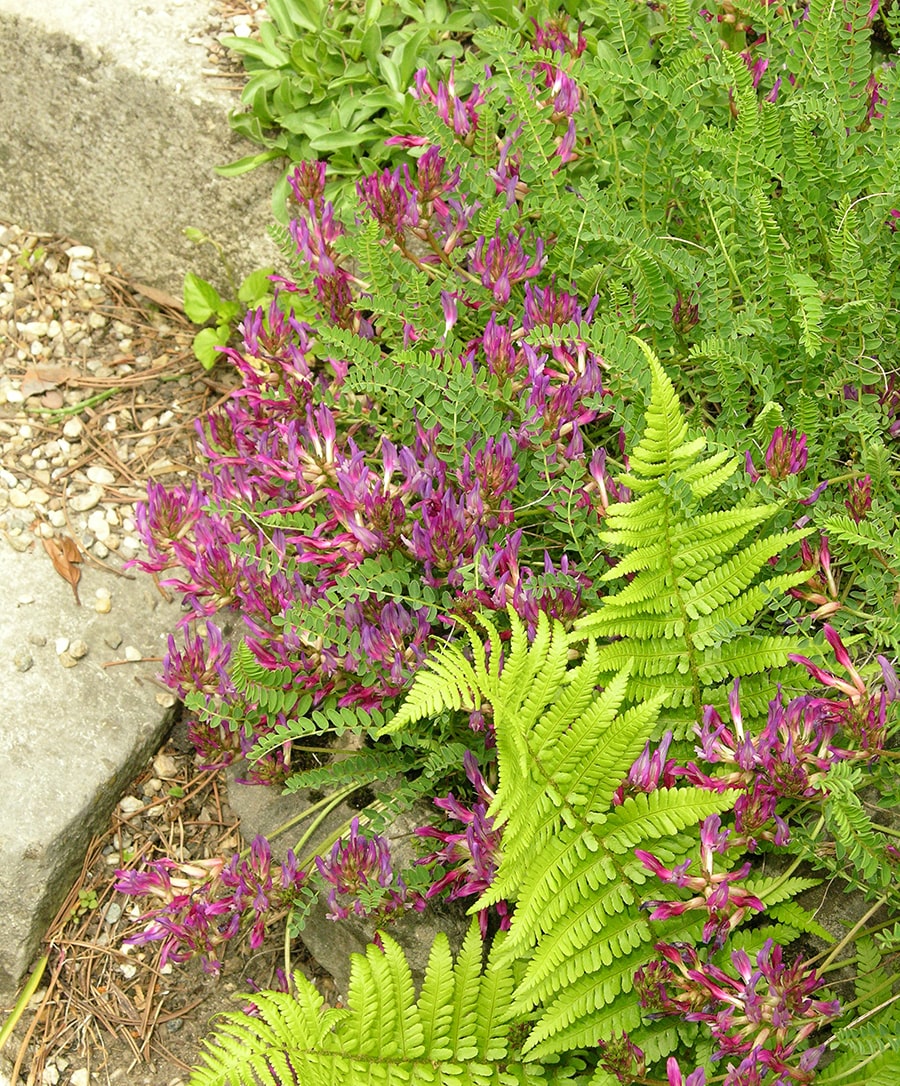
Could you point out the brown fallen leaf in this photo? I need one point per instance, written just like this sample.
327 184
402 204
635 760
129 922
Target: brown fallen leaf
37 379
66 557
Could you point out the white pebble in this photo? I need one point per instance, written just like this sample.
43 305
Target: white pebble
130 804
61 644
79 252
131 653
78 649
164 765
81 503
19 499
72 429
98 474
99 525
13 395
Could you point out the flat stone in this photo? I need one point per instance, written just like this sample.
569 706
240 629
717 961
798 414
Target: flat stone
83 732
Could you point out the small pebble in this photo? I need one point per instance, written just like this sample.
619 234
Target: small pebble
61 644
130 804
81 503
81 1077
50 1075
99 525
23 601
67 659
165 700
78 649
165 766
101 475
113 912
79 252
73 428
131 653
112 640
103 605
23 660
128 970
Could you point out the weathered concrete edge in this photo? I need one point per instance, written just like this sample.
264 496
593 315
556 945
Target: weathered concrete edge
102 152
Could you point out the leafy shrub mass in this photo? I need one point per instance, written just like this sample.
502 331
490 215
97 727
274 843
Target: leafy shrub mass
569 461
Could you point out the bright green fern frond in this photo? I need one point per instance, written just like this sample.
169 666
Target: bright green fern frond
455 1034
699 576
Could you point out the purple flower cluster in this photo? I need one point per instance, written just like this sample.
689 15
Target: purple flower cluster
760 1018
208 902
715 892
362 866
469 857
786 455
821 588
298 493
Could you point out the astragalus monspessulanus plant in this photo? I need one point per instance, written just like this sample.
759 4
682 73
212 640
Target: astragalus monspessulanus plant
436 426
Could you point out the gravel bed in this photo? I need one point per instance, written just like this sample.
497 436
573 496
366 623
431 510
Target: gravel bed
99 391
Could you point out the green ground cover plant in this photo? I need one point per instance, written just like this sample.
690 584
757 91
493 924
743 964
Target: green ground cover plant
568 463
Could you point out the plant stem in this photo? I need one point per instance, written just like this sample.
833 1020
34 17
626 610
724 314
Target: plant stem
22 1002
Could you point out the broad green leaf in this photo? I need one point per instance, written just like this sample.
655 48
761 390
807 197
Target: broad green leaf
201 299
256 287
206 345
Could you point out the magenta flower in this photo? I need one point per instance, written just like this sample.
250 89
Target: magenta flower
471 856
163 519
360 867
726 903
764 1014
201 665
307 181
649 772
458 114
863 713
207 902
391 200
821 588
502 262
786 454
622 1058
859 500
674 1075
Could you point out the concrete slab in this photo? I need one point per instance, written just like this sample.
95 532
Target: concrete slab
71 738
109 132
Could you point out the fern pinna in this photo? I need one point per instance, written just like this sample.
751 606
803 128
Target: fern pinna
456 1032
694 585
